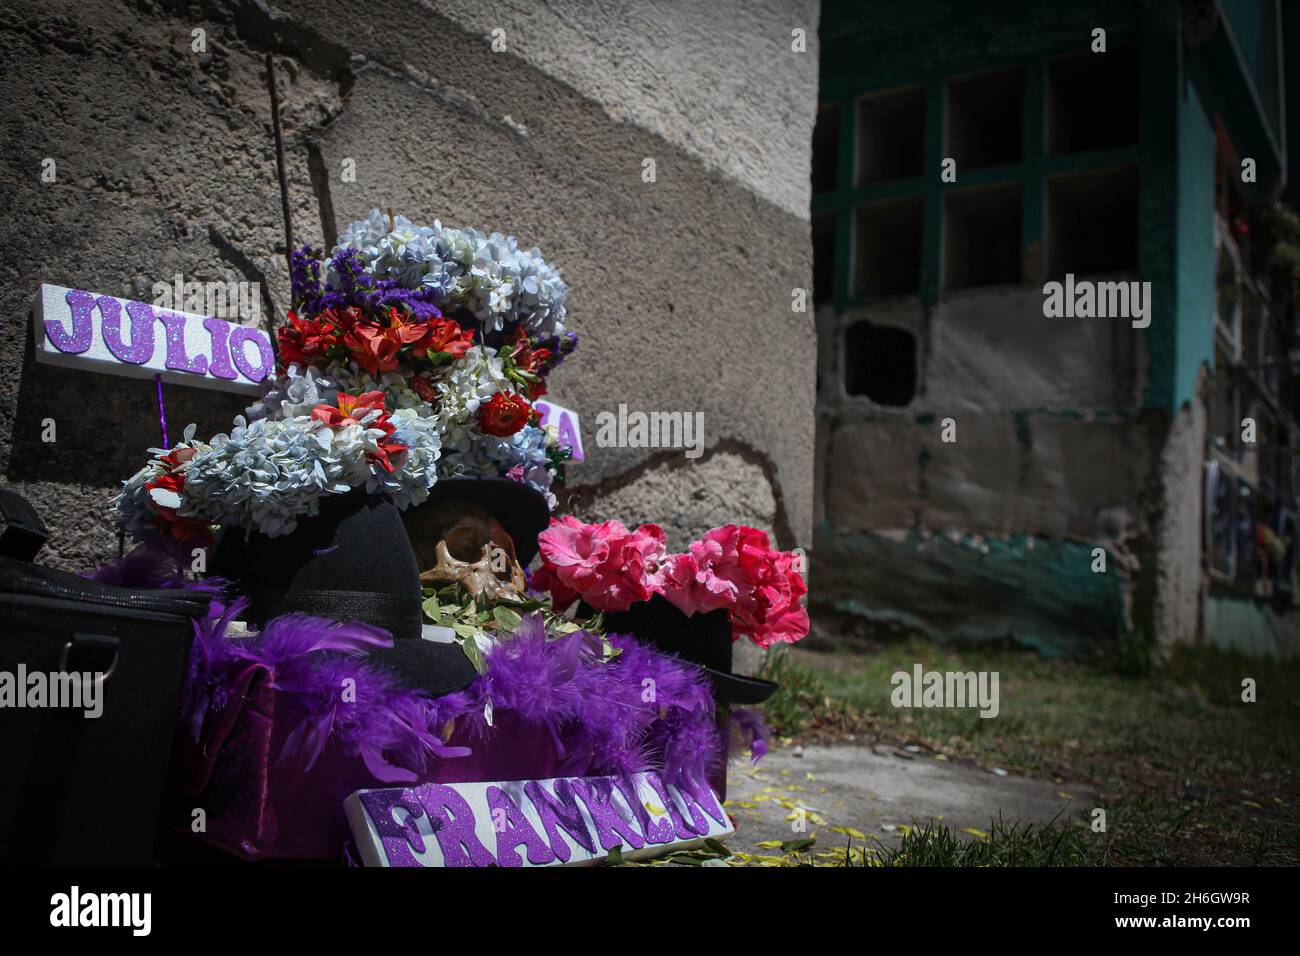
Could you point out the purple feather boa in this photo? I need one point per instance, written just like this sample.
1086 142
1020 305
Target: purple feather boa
642 711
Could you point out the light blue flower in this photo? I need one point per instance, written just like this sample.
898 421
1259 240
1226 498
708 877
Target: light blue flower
501 283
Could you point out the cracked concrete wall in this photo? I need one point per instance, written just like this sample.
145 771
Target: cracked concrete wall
1051 459
680 289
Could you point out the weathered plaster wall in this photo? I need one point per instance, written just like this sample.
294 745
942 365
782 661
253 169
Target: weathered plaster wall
695 73
1178 590
680 287
1074 433
990 535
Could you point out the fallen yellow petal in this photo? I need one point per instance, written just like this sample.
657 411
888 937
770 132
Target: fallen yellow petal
850 831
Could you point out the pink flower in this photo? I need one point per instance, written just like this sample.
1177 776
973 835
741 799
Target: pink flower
610 567
775 612
694 589
735 567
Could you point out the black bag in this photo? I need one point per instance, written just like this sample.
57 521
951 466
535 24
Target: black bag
74 789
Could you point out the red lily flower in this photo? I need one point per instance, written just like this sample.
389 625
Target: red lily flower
445 336
308 341
374 347
424 388
351 409
172 483
525 356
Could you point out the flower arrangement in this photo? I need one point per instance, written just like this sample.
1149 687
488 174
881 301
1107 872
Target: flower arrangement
732 567
412 354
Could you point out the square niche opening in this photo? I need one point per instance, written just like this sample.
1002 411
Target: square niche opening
826 149
887 247
891 136
1092 223
823 243
880 363
984 113
1092 101
981 237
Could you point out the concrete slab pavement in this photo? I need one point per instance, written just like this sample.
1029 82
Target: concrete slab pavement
875 790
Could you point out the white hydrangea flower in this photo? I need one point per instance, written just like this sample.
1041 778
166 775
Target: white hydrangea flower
266 474
416 472
472 454
465 385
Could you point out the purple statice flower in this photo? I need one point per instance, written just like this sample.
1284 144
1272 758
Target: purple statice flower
561 346
390 293
349 284
304 277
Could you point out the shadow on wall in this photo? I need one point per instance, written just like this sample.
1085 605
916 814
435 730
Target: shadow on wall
101 425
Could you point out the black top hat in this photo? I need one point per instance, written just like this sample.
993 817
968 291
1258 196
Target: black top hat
351 562
701 639
521 509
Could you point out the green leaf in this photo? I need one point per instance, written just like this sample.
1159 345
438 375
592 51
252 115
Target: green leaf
507 620
431 609
615 856
475 655
794 846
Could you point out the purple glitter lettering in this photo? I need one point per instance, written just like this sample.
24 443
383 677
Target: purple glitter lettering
76 340
238 337
561 809
611 829
219 364
513 830
140 350
460 846
176 357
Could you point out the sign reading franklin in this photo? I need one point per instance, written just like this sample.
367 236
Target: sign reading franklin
85 330
568 820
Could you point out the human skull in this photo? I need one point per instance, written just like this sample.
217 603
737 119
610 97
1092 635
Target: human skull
459 543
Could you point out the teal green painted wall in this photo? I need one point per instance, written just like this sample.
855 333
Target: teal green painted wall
1195 245
1042 593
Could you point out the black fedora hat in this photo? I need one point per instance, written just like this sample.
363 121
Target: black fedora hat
701 639
351 562
521 509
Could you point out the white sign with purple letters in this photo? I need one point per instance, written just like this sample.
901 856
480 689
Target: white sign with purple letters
566 423
567 820
102 333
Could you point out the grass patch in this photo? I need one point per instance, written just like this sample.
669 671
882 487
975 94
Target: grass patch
803 701
1187 772
1006 845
